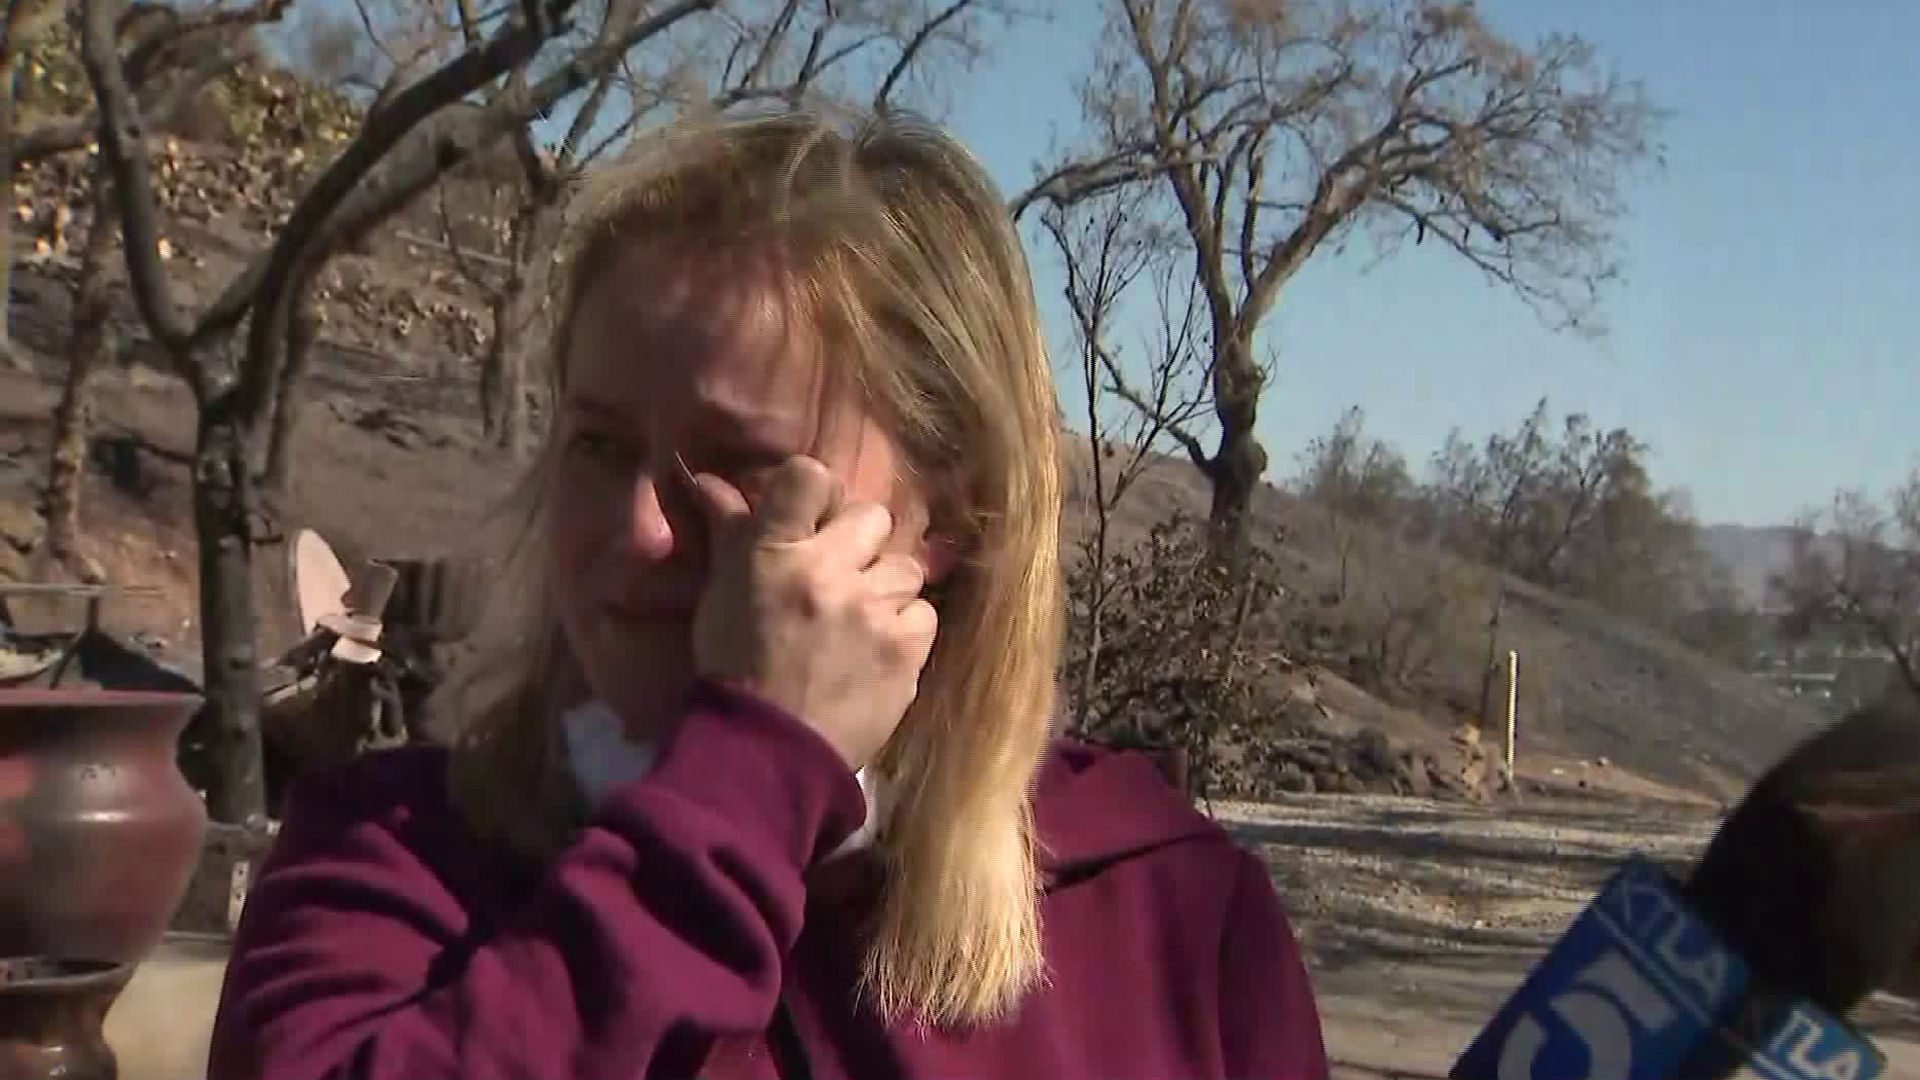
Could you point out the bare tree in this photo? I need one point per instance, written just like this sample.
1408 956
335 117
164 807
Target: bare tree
171 55
1855 569
1496 492
1357 482
156 36
21 25
180 56
1588 467
1276 131
1105 249
396 155
1571 506
398 41
1411 613
73 415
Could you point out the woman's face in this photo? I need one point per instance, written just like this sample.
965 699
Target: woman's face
676 354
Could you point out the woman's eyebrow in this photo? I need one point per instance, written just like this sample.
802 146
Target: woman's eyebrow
592 406
749 427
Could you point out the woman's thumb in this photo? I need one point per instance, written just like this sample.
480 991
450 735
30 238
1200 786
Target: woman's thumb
723 505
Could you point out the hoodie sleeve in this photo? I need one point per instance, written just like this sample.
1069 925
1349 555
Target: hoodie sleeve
663 926
1269 1023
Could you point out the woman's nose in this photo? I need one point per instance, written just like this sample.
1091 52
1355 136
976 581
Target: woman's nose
662 524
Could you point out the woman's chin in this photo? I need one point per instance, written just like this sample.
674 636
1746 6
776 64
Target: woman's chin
640 671
642 699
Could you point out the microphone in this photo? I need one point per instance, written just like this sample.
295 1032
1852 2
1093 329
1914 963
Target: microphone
1806 901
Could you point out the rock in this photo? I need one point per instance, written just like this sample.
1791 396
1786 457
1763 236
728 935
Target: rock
1257 765
1374 751
1473 779
20 525
1294 780
1315 758
1301 715
1345 783
1419 780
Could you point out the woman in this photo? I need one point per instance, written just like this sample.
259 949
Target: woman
764 787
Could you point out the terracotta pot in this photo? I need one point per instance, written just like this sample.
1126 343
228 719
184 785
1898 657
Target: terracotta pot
99 832
51 1018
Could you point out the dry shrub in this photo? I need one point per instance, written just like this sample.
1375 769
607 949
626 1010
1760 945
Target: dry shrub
1398 617
206 118
1161 648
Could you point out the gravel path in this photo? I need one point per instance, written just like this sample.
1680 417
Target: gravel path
1419 918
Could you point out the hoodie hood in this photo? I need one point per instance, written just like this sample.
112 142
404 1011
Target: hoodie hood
1094 807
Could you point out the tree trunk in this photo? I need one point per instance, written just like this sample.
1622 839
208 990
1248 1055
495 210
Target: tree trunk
497 383
303 329
503 392
1492 659
9 81
1237 466
224 515
1096 617
1235 474
86 349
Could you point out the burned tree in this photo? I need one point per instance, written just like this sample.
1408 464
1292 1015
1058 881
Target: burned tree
397 41
172 58
1854 573
22 24
1275 132
1107 245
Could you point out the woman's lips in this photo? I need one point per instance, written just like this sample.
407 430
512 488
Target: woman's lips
650 617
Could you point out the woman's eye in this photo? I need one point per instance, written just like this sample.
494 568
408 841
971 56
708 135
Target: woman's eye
594 446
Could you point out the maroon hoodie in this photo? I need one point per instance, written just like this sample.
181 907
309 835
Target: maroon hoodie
694 929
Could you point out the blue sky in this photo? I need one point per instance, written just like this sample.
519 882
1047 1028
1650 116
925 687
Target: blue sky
1766 341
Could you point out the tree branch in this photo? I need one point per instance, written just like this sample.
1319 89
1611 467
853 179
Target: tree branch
468 269
912 49
407 175
382 130
65 135
124 154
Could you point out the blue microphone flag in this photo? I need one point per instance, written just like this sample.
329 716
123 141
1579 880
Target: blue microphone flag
1641 988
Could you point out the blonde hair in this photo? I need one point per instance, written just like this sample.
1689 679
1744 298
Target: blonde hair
903 257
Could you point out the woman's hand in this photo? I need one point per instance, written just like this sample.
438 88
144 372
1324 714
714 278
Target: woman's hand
805 607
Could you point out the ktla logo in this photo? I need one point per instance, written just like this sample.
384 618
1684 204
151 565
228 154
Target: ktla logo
1636 988
1606 1008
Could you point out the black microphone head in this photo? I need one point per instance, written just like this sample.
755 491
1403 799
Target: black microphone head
1815 877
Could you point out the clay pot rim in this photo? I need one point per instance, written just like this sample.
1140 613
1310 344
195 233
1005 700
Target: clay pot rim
91 974
69 698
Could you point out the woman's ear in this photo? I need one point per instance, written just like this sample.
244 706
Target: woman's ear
938 553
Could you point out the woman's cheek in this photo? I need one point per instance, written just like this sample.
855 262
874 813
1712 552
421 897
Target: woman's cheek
575 524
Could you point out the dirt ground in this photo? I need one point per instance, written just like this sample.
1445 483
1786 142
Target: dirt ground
1418 918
